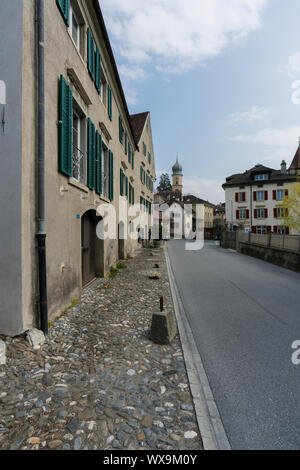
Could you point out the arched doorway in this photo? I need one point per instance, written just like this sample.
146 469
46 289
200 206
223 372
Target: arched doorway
121 241
89 247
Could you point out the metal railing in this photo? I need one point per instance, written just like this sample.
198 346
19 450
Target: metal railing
79 165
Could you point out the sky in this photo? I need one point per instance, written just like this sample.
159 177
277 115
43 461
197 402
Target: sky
221 80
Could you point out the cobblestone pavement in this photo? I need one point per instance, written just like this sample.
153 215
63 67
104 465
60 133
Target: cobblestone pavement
99 383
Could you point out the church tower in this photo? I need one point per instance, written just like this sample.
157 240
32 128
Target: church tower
177 177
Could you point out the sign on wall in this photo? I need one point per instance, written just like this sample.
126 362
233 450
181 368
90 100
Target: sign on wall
2 92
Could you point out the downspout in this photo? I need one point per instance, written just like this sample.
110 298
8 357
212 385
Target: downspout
41 229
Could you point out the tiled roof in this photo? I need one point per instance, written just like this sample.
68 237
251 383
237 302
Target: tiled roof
296 162
248 176
190 199
138 122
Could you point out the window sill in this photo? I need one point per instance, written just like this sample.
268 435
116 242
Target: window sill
76 184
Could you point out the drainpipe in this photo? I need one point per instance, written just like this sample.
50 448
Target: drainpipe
41 229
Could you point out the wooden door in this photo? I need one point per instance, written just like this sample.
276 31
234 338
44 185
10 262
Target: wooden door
88 237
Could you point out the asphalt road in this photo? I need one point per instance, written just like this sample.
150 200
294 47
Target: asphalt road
245 315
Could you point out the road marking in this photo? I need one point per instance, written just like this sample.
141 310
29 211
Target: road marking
209 421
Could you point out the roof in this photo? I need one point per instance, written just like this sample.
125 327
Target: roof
177 168
138 122
190 199
296 161
113 63
248 177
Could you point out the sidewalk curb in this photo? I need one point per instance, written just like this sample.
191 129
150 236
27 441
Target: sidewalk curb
209 421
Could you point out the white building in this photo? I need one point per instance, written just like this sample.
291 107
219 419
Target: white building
254 198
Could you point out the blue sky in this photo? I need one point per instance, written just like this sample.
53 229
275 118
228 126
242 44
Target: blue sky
217 78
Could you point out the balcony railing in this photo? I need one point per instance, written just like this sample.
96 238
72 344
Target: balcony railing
79 165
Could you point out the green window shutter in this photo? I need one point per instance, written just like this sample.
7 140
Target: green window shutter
141 174
132 196
111 176
120 130
129 153
132 160
65 127
64 7
109 102
91 55
129 193
126 186
99 163
121 182
126 143
91 155
98 70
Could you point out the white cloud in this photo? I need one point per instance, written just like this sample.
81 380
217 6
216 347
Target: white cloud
176 35
253 115
275 144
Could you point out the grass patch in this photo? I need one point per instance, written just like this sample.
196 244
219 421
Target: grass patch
121 265
113 272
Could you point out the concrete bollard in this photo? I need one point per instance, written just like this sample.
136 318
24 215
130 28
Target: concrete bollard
163 328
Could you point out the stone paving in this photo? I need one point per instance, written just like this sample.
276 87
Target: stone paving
99 383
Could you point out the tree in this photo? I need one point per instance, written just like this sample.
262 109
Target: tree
164 183
291 204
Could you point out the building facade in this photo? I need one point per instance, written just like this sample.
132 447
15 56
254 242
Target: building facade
93 156
254 198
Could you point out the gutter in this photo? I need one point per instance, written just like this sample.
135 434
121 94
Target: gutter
40 155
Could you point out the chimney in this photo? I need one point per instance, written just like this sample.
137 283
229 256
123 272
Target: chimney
283 167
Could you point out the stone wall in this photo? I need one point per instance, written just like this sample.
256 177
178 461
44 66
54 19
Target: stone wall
281 250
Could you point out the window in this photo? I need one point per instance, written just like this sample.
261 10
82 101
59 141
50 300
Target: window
261 230
131 226
105 174
79 156
263 177
280 212
260 195
280 195
243 214
260 213
240 197
75 28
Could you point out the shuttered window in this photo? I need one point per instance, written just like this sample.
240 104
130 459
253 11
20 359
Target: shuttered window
64 7
111 175
99 163
91 155
126 143
65 127
109 102
98 71
132 160
91 55
120 130
129 153
121 182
